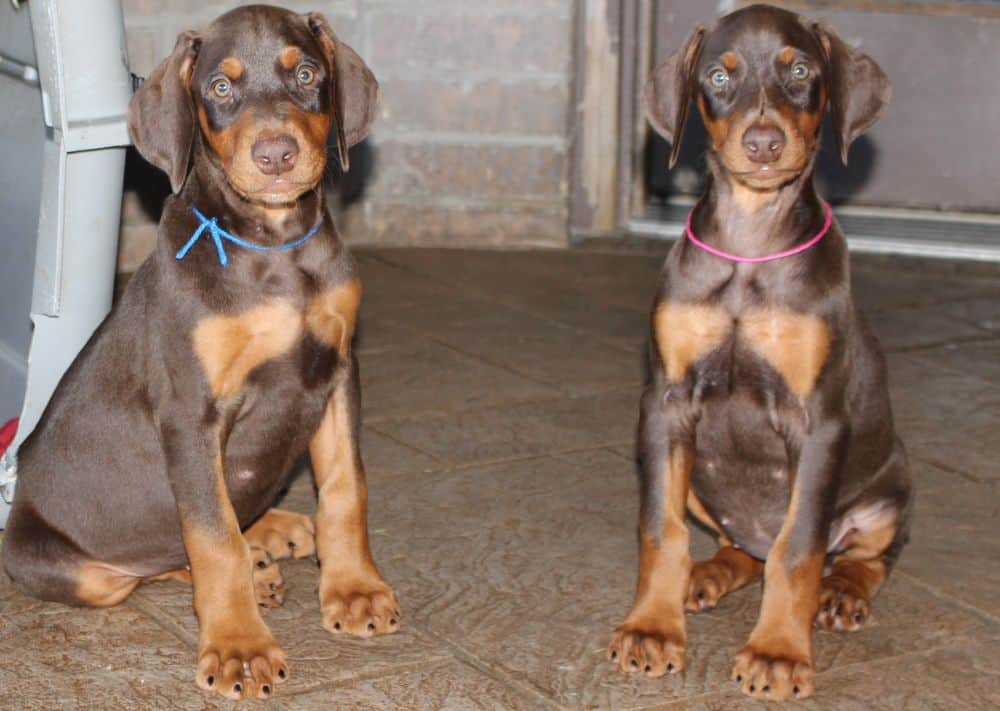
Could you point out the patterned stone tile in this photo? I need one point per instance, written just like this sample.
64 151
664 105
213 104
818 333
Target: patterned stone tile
945 417
387 455
512 575
523 430
572 360
528 566
877 288
444 686
374 335
901 329
62 657
983 311
979 359
315 656
431 377
608 295
963 677
954 546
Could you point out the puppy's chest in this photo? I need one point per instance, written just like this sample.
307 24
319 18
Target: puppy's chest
302 325
716 349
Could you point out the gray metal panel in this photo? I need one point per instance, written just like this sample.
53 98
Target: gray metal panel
85 89
83 69
15 34
21 136
91 211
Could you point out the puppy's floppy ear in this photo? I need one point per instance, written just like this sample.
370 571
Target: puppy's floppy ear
161 112
858 88
668 92
354 93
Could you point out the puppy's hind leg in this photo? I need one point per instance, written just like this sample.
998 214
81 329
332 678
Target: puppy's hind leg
729 569
858 573
867 539
44 563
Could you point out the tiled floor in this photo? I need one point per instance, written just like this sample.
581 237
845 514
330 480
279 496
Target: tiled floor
500 397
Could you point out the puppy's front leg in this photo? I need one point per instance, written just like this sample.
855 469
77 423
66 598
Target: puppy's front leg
776 662
237 656
652 638
354 597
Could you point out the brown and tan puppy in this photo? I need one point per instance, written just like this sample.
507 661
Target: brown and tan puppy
768 417
173 431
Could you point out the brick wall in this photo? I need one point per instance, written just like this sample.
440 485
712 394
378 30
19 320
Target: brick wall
471 146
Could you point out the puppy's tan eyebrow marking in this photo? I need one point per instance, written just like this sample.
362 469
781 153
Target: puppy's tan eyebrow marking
730 61
289 57
787 54
231 67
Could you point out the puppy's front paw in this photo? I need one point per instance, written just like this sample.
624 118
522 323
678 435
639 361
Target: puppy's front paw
238 662
772 677
636 648
365 610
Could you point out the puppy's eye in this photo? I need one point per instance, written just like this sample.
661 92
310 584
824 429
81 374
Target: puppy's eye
800 71
306 75
718 78
221 88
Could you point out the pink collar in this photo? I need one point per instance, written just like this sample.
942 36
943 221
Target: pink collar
787 253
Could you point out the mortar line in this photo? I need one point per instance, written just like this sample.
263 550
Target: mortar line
828 674
466 657
162 619
984 337
560 454
410 415
947 597
401 443
396 671
488 361
947 468
550 454
868 663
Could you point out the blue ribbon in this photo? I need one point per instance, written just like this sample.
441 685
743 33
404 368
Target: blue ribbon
218 234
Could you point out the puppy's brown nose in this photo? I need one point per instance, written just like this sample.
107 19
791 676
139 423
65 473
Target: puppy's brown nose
275 155
763 144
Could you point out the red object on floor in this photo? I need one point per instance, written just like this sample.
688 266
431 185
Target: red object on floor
7 433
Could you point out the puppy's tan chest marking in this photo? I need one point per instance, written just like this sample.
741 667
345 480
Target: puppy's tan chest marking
795 345
686 332
229 347
331 316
